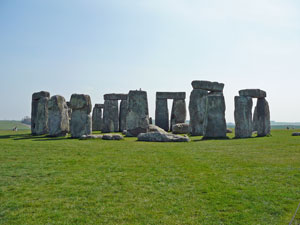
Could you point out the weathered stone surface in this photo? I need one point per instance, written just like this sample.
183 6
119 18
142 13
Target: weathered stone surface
161 137
97 118
123 114
263 118
180 128
110 116
137 119
215 124
91 136
81 121
114 96
162 114
150 120
243 116
253 93
112 137
69 110
170 95
39 113
208 85
197 108
255 120
178 113
58 118
154 128
296 134
228 131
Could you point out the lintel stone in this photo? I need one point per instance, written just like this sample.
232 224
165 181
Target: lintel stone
114 96
170 95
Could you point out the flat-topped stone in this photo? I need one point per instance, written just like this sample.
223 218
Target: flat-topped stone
170 95
162 137
114 96
112 137
208 85
41 94
81 101
253 93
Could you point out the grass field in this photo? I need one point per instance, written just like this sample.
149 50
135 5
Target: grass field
10 124
66 181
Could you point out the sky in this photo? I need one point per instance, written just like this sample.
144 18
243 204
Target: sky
97 47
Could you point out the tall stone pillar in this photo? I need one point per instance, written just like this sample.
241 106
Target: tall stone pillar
123 114
263 118
162 114
243 116
97 117
178 113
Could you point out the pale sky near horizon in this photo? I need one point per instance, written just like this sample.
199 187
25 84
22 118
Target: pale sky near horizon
97 47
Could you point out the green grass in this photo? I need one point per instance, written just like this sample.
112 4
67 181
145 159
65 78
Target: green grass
10 124
66 181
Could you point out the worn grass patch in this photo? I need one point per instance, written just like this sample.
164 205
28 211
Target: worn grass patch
65 181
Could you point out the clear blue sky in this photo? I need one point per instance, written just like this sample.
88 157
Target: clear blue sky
97 47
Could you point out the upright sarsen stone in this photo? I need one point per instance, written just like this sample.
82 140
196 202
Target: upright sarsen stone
97 119
123 114
162 114
255 119
243 116
81 121
215 124
263 118
39 113
137 118
110 116
178 113
197 108
58 118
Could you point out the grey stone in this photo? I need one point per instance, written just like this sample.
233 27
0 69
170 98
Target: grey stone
110 116
255 120
150 120
170 95
69 110
263 118
161 137
39 113
180 128
123 114
243 116
154 128
228 131
197 108
114 96
58 118
112 137
178 113
253 93
296 134
91 136
215 124
97 118
81 121
162 114
137 119
208 85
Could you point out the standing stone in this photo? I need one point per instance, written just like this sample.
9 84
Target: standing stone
69 110
178 113
58 118
137 118
162 114
150 120
81 121
39 113
243 116
110 116
97 117
215 126
123 114
263 118
197 108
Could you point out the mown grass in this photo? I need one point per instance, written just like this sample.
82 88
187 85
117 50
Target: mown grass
10 124
66 181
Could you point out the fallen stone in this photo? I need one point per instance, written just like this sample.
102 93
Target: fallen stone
91 136
161 137
253 93
180 128
137 119
114 96
153 128
58 118
170 95
228 131
178 113
296 134
208 85
162 114
197 109
112 137
39 113
243 116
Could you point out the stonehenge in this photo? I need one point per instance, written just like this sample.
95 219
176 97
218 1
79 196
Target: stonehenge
178 113
111 117
97 119
39 113
207 110
58 118
244 121
81 121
